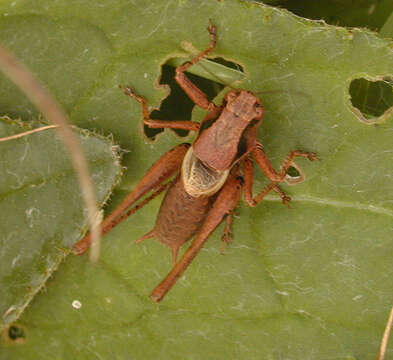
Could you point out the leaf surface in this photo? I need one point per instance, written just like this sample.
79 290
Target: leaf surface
41 207
310 282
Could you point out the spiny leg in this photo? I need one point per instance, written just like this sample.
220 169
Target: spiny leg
161 171
248 182
155 124
192 91
227 235
289 160
226 201
266 166
212 31
156 191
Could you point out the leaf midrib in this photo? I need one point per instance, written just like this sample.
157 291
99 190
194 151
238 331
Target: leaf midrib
345 204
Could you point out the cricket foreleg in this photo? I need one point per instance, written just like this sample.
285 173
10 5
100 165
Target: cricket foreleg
193 92
249 199
224 204
161 171
266 166
159 124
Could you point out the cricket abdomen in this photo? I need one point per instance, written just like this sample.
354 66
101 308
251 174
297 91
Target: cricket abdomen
180 216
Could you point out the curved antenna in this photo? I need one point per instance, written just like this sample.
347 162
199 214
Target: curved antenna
297 92
214 71
211 70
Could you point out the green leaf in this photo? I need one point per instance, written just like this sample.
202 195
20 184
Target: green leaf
313 281
41 207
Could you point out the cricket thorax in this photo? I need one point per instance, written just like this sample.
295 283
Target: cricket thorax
199 179
218 145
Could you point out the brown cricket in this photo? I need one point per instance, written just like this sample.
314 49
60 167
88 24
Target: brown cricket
209 175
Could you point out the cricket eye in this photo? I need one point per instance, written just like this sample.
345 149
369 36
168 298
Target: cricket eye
230 96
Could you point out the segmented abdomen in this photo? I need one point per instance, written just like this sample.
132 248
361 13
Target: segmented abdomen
180 215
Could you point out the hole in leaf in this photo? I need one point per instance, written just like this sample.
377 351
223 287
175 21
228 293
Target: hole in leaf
294 175
178 106
293 172
16 334
371 99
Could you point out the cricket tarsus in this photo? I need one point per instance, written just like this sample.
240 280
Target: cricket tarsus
209 175
226 237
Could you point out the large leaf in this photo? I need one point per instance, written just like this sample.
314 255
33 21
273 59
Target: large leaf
313 281
41 207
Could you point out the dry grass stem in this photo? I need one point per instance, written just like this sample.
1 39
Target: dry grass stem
385 338
52 111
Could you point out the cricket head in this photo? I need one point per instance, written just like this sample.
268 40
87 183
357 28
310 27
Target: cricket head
221 144
243 104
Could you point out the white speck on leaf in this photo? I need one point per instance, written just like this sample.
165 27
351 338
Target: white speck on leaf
76 304
283 293
15 260
31 215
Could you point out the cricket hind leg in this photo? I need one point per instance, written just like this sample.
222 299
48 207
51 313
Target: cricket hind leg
159 124
161 171
156 191
224 204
